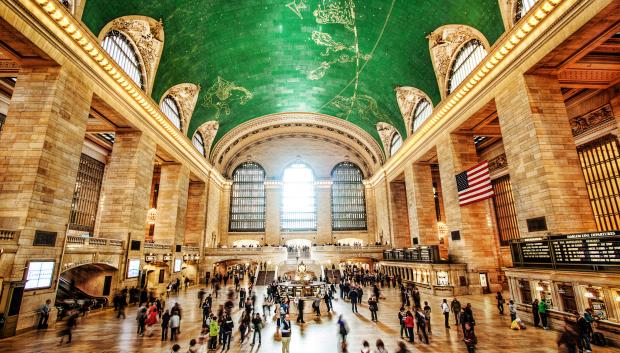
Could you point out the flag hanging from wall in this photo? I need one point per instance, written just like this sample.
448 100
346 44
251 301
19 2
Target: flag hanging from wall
474 184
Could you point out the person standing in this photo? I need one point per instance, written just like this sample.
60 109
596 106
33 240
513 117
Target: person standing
427 315
227 327
328 302
401 320
535 313
421 322
214 331
353 298
45 314
456 310
583 329
445 309
201 296
512 308
470 338
500 303
373 307
175 322
542 311
409 324
286 333
257 325
165 321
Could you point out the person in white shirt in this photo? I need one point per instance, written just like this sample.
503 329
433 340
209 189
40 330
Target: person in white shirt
175 322
445 309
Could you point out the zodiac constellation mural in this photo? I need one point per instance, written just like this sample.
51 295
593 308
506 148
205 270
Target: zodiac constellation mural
341 51
222 94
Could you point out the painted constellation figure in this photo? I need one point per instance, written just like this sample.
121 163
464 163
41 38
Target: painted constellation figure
362 107
296 6
222 93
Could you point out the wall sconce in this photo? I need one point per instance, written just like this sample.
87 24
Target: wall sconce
151 216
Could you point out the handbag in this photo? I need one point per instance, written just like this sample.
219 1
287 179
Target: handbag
277 336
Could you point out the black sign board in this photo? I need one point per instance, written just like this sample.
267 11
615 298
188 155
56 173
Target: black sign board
43 238
584 251
426 254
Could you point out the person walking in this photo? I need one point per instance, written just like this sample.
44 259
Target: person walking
343 328
257 325
455 306
71 324
286 333
402 348
300 311
568 340
165 322
500 303
141 318
420 320
373 307
365 347
512 308
535 313
380 347
409 324
470 338
445 309
583 331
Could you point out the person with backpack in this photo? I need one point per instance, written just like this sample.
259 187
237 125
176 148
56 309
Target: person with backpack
445 309
373 307
420 320
470 338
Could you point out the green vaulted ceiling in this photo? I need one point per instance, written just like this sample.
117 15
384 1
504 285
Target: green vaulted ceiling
337 57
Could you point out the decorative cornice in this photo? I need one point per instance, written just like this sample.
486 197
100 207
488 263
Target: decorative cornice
348 130
208 131
386 131
408 98
186 96
582 124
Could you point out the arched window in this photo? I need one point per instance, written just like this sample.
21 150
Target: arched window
171 109
199 143
466 60
395 143
422 111
348 201
122 51
247 199
522 7
298 199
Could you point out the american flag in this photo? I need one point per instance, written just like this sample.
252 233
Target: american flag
474 184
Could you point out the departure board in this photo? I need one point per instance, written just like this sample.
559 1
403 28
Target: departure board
597 248
594 251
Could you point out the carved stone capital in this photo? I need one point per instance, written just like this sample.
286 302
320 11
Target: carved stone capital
582 124
498 163
186 96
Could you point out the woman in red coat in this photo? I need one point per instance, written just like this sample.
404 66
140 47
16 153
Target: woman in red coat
409 325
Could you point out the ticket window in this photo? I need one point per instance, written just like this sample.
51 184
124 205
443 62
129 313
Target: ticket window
526 291
596 301
543 289
567 296
615 293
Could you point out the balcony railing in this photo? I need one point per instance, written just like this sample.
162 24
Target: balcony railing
73 242
8 235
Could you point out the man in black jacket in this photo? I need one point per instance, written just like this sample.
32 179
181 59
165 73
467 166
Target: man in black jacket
353 297
227 326
300 311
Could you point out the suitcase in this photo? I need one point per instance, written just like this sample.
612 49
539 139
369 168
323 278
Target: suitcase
598 339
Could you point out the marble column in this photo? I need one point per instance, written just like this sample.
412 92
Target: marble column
545 171
40 147
421 204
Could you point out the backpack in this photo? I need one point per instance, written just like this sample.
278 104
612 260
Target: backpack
598 339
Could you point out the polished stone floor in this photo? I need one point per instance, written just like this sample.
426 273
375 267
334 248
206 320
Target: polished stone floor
102 332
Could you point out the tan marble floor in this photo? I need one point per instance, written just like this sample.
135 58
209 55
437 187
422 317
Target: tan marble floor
102 332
